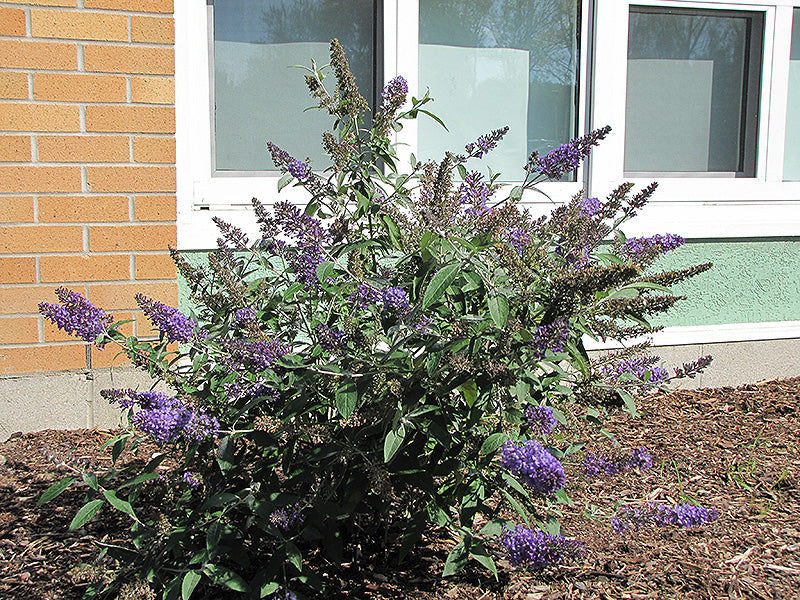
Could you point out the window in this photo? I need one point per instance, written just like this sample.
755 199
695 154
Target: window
703 96
258 96
693 85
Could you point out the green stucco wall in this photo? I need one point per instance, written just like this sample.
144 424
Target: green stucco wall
752 281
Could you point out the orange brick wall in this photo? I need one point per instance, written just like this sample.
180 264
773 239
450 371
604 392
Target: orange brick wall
87 168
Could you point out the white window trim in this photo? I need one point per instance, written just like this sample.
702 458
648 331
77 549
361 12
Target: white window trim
696 208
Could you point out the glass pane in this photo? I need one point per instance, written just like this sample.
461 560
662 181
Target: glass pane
491 63
791 153
692 92
258 96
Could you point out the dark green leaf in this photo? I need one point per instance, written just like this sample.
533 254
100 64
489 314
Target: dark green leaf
498 308
119 503
86 512
284 181
294 556
394 439
346 397
225 577
492 443
516 505
90 479
56 489
456 560
439 283
190 581
470 392
325 270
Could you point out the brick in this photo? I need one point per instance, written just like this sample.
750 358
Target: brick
118 238
52 2
161 6
17 239
155 266
26 299
131 179
35 180
79 87
112 267
155 208
39 117
129 59
155 30
134 119
15 148
16 209
153 90
60 357
19 330
13 85
18 270
83 148
18 54
79 25
154 149
119 296
82 209
12 21
110 356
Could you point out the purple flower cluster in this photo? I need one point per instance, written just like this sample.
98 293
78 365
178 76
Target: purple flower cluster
192 479
253 355
299 170
330 339
541 419
395 300
284 595
242 389
639 367
535 549
76 315
694 368
309 235
595 464
567 157
474 192
394 95
163 417
552 336
232 235
245 315
659 515
172 323
642 249
364 296
590 206
485 143
287 517
518 238
532 464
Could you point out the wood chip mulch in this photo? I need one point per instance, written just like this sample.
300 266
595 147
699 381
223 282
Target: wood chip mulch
734 450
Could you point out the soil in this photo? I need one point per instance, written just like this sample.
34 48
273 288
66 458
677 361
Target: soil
734 450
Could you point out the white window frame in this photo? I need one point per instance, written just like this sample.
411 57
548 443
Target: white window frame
700 207
696 207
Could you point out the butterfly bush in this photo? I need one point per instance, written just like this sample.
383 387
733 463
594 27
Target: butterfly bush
356 372
659 515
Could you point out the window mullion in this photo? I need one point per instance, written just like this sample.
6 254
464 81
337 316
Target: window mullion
778 94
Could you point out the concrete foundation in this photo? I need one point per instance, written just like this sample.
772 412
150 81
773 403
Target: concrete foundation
71 399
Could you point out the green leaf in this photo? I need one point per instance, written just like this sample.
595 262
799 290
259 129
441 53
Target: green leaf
630 402
498 308
442 280
469 390
324 270
86 512
520 511
190 581
225 577
294 556
494 527
346 397
119 503
284 181
455 560
56 489
492 443
268 589
516 193
90 479
394 439
485 560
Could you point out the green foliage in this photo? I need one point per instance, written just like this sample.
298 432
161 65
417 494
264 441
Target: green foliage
393 335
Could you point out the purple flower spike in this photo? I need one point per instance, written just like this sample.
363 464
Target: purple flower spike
536 550
172 323
642 249
534 466
542 419
567 157
659 515
394 95
287 517
76 315
485 143
299 170
475 193
245 315
518 238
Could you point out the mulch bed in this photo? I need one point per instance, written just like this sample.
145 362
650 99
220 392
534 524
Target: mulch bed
735 450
